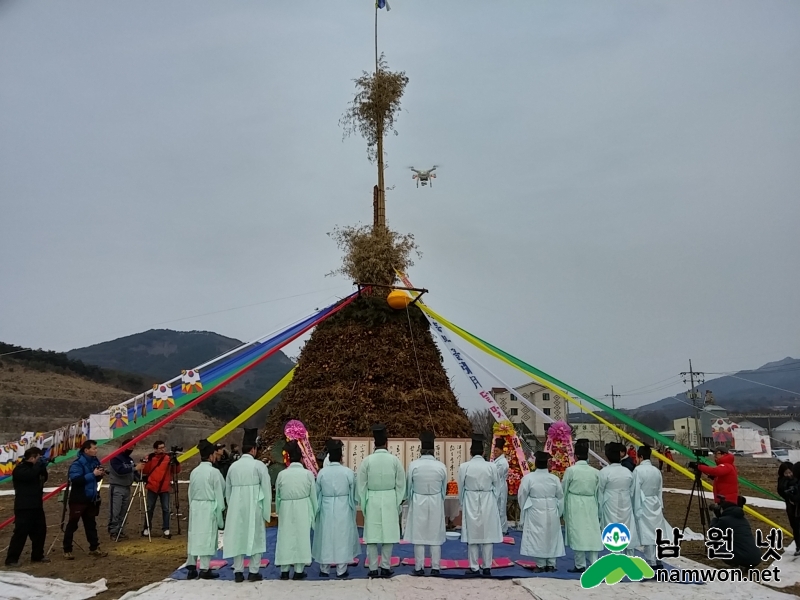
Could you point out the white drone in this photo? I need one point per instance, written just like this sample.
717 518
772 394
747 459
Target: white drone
424 177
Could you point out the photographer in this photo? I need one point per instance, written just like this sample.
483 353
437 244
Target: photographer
222 460
726 479
789 490
84 499
159 468
729 515
121 474
28 478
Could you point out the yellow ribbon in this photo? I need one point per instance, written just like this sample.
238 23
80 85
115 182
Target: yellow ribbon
249 412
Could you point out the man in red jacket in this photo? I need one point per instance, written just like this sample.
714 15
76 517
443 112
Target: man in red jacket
159 474
726 479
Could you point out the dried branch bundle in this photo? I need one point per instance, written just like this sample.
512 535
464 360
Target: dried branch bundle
372 256
374 109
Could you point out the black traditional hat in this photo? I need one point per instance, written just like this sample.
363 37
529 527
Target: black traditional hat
499 443
582 447
333 445
250 438
477 444
379 433
206 448
427 438
541 456
293 450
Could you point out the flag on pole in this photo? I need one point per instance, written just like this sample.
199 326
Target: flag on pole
382 4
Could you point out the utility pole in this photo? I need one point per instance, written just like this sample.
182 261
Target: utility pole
689 377
612 395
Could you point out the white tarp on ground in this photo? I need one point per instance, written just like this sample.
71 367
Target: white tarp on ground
405 587
20 586
751 501
402 587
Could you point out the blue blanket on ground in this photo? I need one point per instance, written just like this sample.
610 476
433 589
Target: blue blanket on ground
452 549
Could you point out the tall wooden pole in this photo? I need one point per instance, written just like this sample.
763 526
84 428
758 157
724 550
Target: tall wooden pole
379 192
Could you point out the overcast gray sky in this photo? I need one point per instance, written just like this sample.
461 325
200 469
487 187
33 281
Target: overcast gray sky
618 190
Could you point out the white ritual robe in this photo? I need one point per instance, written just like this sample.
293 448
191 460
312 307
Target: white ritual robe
206 504
541 502
615 495
335 535
477 491
426 486
248 490
648 505
381 487
501 464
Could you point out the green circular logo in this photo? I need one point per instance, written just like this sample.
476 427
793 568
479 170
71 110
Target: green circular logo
616 537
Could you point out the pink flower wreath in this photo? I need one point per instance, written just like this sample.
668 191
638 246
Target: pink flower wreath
559 446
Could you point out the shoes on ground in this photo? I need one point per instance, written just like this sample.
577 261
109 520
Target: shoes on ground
239 577
372 574
298 576
208 574
44 559
434 572
386 573
344 575
550 569
69 556
420 573
97 553
321 574
487 573
167 534
471 573
538 570
146 533
255 577
576 570
285 575
192 573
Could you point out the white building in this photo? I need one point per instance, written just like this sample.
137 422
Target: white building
526 421
686 431
788 433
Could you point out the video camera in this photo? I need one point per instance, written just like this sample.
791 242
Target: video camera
176 450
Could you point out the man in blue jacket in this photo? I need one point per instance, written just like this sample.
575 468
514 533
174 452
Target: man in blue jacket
84 500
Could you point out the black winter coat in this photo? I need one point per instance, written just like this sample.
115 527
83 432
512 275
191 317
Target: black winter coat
28 479
789 490
745 551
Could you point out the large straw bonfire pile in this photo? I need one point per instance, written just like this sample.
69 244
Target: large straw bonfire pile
370 363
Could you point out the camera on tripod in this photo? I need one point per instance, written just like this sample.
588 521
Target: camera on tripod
176 450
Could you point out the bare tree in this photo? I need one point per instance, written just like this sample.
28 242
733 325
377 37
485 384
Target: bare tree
482 422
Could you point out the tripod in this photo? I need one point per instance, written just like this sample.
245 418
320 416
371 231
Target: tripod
702 504
63 497
173 469
140 491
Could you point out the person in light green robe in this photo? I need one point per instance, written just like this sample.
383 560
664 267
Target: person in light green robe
206 503
335 534
381 483
296 505
582 525
248 490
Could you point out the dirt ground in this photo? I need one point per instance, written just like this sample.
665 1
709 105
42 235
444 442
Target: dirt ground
135 562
